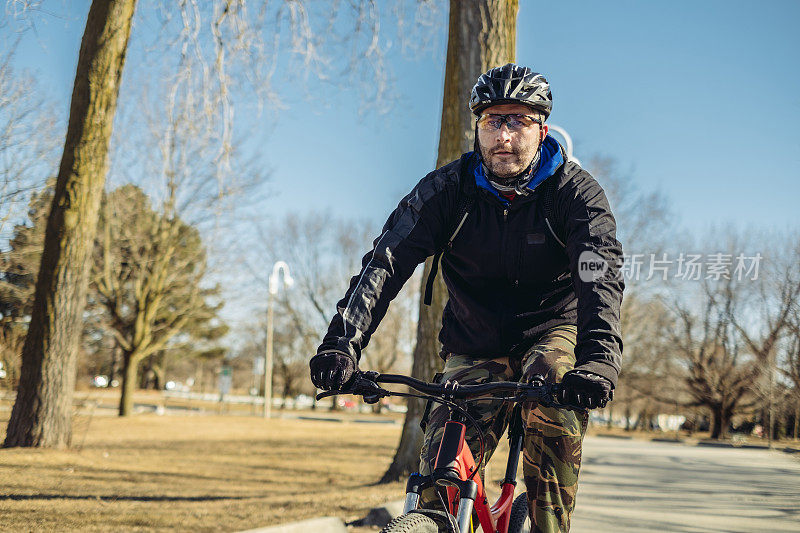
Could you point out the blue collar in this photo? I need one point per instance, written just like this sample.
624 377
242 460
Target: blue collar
551 158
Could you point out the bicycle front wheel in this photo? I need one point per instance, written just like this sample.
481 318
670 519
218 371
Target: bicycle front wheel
411 523
519 522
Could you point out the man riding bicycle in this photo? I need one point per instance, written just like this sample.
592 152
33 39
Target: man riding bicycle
531 264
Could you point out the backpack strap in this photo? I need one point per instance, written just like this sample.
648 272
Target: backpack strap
550 219
465 203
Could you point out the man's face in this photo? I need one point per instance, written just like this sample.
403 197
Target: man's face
508 152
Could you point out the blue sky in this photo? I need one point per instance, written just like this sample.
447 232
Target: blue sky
698 100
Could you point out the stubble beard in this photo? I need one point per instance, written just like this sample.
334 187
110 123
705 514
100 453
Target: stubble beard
509 167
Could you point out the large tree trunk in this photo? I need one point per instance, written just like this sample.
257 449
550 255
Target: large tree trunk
42 411
481 35
159 375
116 360
720 421
145 377
201 386
130 367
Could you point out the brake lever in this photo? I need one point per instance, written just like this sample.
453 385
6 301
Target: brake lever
368 388
327 394
543 397
363 384
550 396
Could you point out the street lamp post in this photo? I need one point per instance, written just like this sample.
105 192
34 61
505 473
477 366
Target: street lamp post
568 140
273 290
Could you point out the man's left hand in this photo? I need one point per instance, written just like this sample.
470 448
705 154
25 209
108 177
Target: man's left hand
585 389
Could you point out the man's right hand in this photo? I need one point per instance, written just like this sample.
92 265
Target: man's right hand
585 389
332 370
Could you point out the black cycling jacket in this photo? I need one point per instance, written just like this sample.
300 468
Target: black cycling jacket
508 278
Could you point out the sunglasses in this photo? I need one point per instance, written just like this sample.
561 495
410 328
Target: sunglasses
514 121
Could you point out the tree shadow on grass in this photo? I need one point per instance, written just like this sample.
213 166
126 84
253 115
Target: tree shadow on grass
104 474
306 446
34 497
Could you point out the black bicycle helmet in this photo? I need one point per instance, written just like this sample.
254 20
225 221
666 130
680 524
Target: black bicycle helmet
511 84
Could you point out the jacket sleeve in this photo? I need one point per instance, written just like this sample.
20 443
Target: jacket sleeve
413 232
595 259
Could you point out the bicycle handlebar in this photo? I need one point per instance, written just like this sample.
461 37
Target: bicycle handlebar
366 384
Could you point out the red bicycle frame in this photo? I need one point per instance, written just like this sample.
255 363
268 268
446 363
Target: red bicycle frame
455 470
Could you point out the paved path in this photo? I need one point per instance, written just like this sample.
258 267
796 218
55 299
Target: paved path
630 485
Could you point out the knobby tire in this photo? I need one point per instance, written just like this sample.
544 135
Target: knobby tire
411 523
519 523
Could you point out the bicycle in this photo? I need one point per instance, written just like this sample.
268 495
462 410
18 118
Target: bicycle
460 490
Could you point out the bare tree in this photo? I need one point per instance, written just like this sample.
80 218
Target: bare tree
41 413
641 215
148 278
28 145
151 270
728 339
790 367
719 376
481 35
650 378
322 253
28 141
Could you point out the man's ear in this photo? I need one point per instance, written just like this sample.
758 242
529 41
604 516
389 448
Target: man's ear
545 129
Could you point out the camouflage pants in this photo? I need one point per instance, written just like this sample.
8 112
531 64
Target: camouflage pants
553 437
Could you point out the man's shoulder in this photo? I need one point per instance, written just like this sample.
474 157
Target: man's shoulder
574 177
571 172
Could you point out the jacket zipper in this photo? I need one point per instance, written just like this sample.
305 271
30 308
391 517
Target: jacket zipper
504 249
515 274
503 261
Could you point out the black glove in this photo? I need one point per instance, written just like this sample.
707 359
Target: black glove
332 370
585 389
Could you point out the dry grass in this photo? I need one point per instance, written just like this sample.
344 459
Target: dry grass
202 473
197 473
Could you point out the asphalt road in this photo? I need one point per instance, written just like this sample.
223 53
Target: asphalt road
629 485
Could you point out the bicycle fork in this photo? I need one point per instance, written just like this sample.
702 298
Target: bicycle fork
413 490
451 471
468 490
